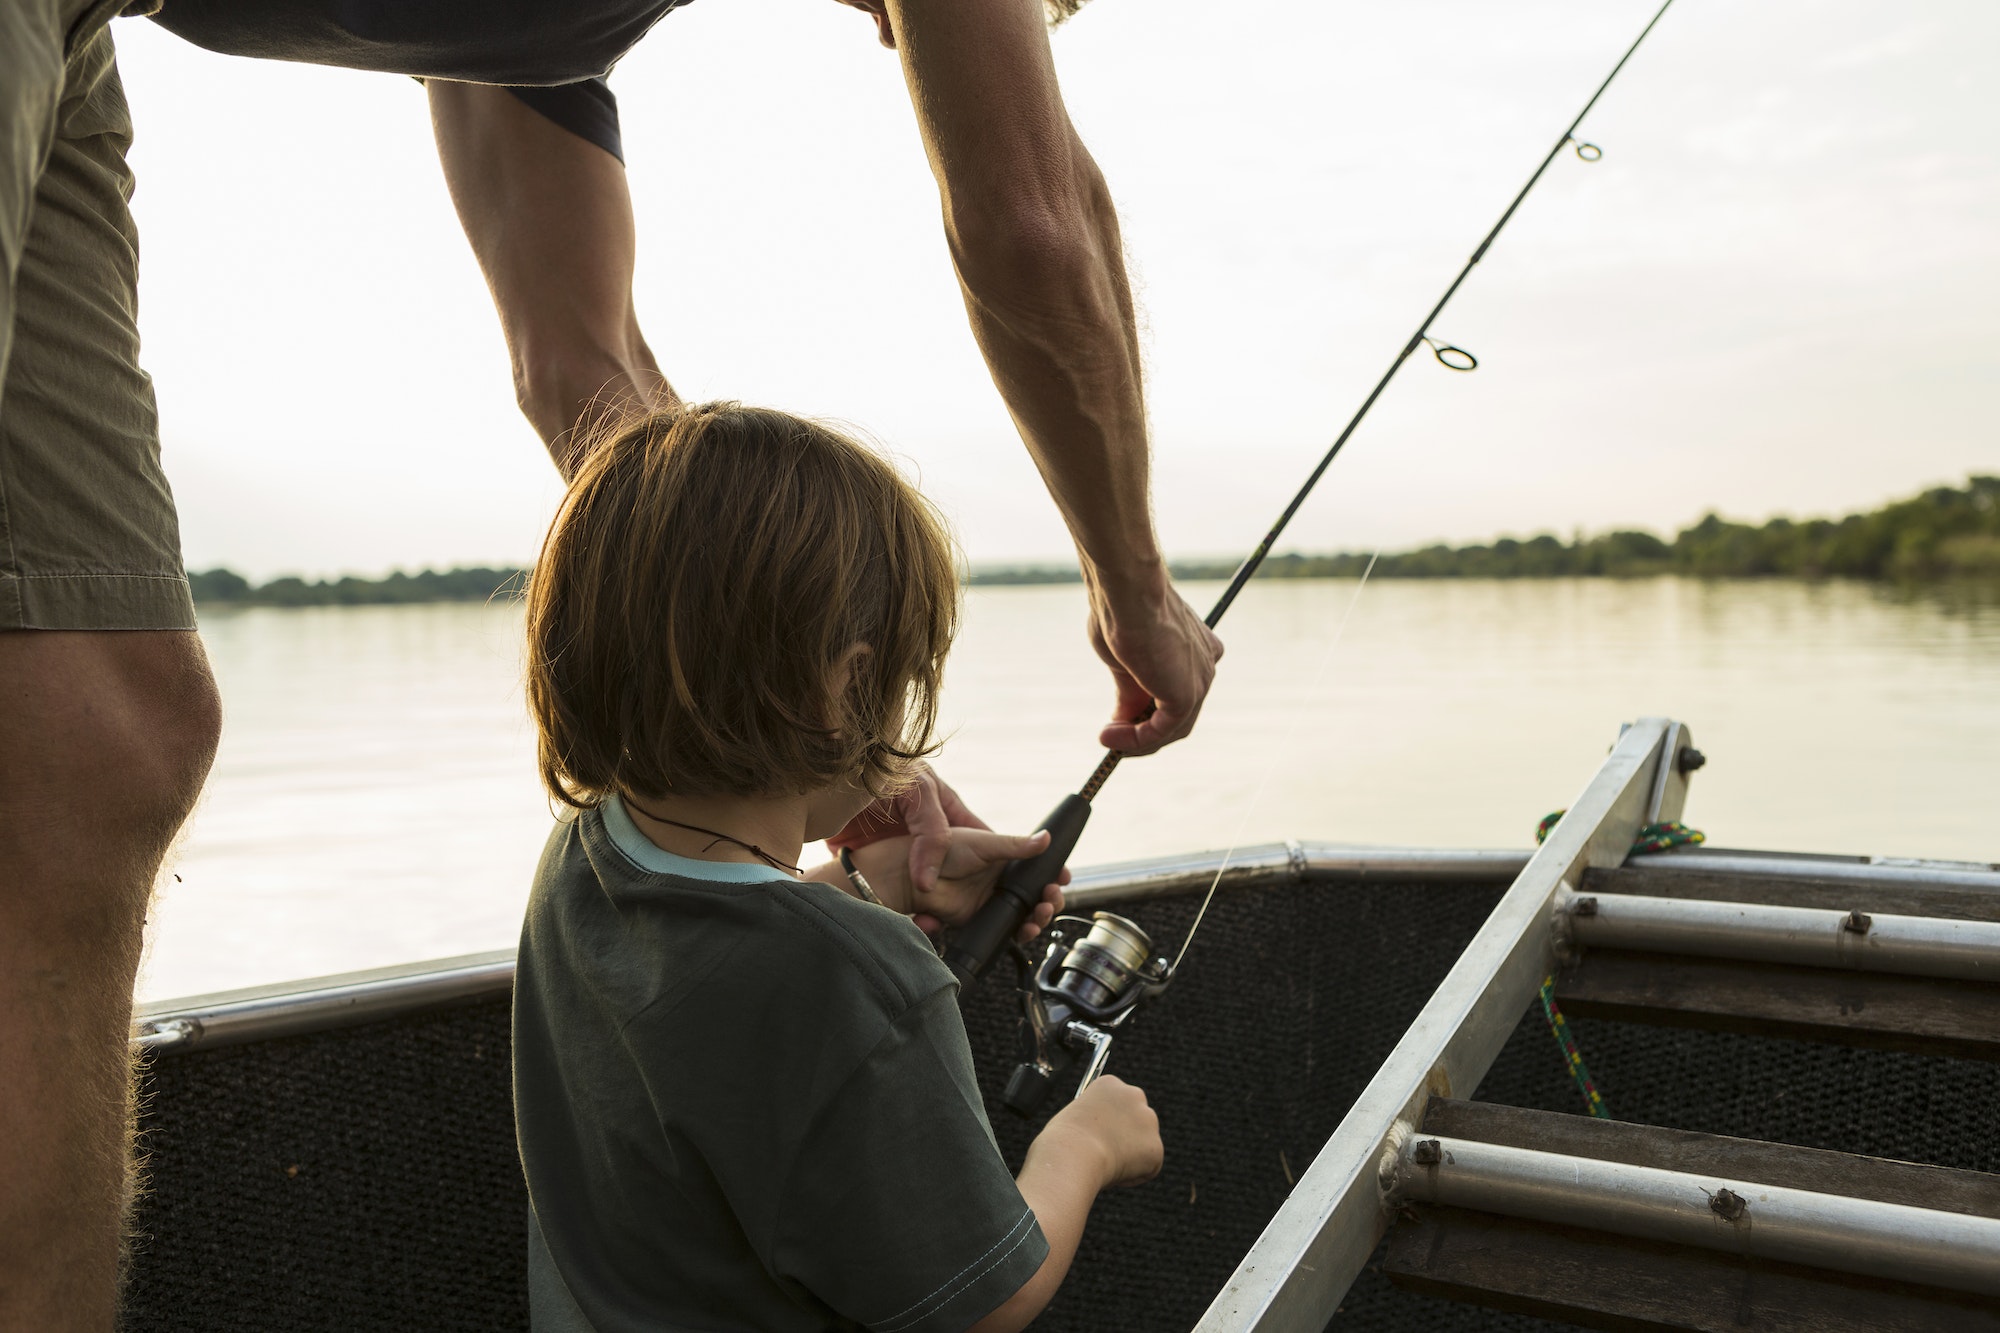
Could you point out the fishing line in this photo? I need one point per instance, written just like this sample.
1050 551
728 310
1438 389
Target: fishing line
1263 783
992 928
1094 974
1448 356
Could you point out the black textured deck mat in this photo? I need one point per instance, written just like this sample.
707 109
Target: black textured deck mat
406 1208
359 1179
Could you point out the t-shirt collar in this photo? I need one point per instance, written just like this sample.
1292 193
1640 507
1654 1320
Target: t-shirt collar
640 850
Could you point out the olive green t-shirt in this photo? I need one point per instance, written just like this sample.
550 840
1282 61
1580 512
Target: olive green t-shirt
746 1102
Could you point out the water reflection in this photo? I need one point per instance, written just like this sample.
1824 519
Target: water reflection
375 800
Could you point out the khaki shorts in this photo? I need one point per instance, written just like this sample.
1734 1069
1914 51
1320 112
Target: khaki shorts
88 536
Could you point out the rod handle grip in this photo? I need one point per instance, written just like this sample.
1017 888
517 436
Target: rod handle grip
981 940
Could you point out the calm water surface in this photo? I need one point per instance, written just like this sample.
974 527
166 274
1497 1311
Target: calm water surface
375 802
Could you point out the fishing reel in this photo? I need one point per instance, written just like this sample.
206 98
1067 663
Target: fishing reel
1092 976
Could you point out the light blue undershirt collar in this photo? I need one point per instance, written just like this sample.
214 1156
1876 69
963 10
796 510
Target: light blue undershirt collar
641 852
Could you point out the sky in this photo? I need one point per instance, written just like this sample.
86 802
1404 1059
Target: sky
1774 294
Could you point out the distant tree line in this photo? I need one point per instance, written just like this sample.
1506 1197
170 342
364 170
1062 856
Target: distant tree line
1945 533
225 587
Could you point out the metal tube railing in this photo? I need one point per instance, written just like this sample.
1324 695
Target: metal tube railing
1924 946
1293 1278
1830 1231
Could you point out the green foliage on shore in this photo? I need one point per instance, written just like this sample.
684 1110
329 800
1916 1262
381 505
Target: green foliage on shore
1943 534
1948 533
222 587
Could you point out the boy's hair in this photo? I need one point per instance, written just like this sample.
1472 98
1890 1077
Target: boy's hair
707 573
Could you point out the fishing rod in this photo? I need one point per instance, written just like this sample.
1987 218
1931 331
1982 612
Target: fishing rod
1085 987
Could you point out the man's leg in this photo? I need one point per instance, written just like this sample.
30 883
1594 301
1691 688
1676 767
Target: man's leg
104 741
108 716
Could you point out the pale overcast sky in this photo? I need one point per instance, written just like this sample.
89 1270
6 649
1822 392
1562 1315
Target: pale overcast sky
1776 292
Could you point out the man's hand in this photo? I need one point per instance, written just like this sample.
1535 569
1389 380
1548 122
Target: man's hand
1162 658
971 865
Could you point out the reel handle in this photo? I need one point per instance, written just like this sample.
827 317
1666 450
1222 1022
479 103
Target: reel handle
984 938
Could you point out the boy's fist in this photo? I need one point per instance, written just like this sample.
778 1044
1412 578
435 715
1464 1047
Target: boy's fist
924 813
1114 1114
967 871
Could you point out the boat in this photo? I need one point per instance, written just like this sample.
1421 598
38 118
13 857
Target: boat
1368 1122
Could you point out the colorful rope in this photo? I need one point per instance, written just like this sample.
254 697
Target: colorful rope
1667 833
1652 838
1572 1057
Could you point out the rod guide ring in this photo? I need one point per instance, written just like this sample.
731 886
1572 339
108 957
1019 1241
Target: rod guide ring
1452 357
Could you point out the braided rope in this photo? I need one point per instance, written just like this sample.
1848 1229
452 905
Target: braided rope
1572 1057
1652 838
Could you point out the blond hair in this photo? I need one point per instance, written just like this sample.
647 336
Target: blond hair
708 571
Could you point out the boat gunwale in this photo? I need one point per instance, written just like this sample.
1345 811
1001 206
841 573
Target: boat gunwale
311 1004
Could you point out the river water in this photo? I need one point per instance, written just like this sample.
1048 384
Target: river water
375 802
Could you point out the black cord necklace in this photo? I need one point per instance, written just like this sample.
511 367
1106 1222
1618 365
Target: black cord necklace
716 837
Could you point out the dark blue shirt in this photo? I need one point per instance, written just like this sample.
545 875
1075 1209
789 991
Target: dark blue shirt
554 54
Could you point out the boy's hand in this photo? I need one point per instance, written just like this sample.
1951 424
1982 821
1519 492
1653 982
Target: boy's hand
968 870
1113 1117
927 811
1108 1136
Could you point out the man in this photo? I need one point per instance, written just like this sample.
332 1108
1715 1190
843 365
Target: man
105 738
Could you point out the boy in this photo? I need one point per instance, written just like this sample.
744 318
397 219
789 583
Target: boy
744 1094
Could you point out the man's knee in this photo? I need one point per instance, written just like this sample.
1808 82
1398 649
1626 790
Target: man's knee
103 751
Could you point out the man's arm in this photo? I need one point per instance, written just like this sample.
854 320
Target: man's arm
1035 240
550 220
